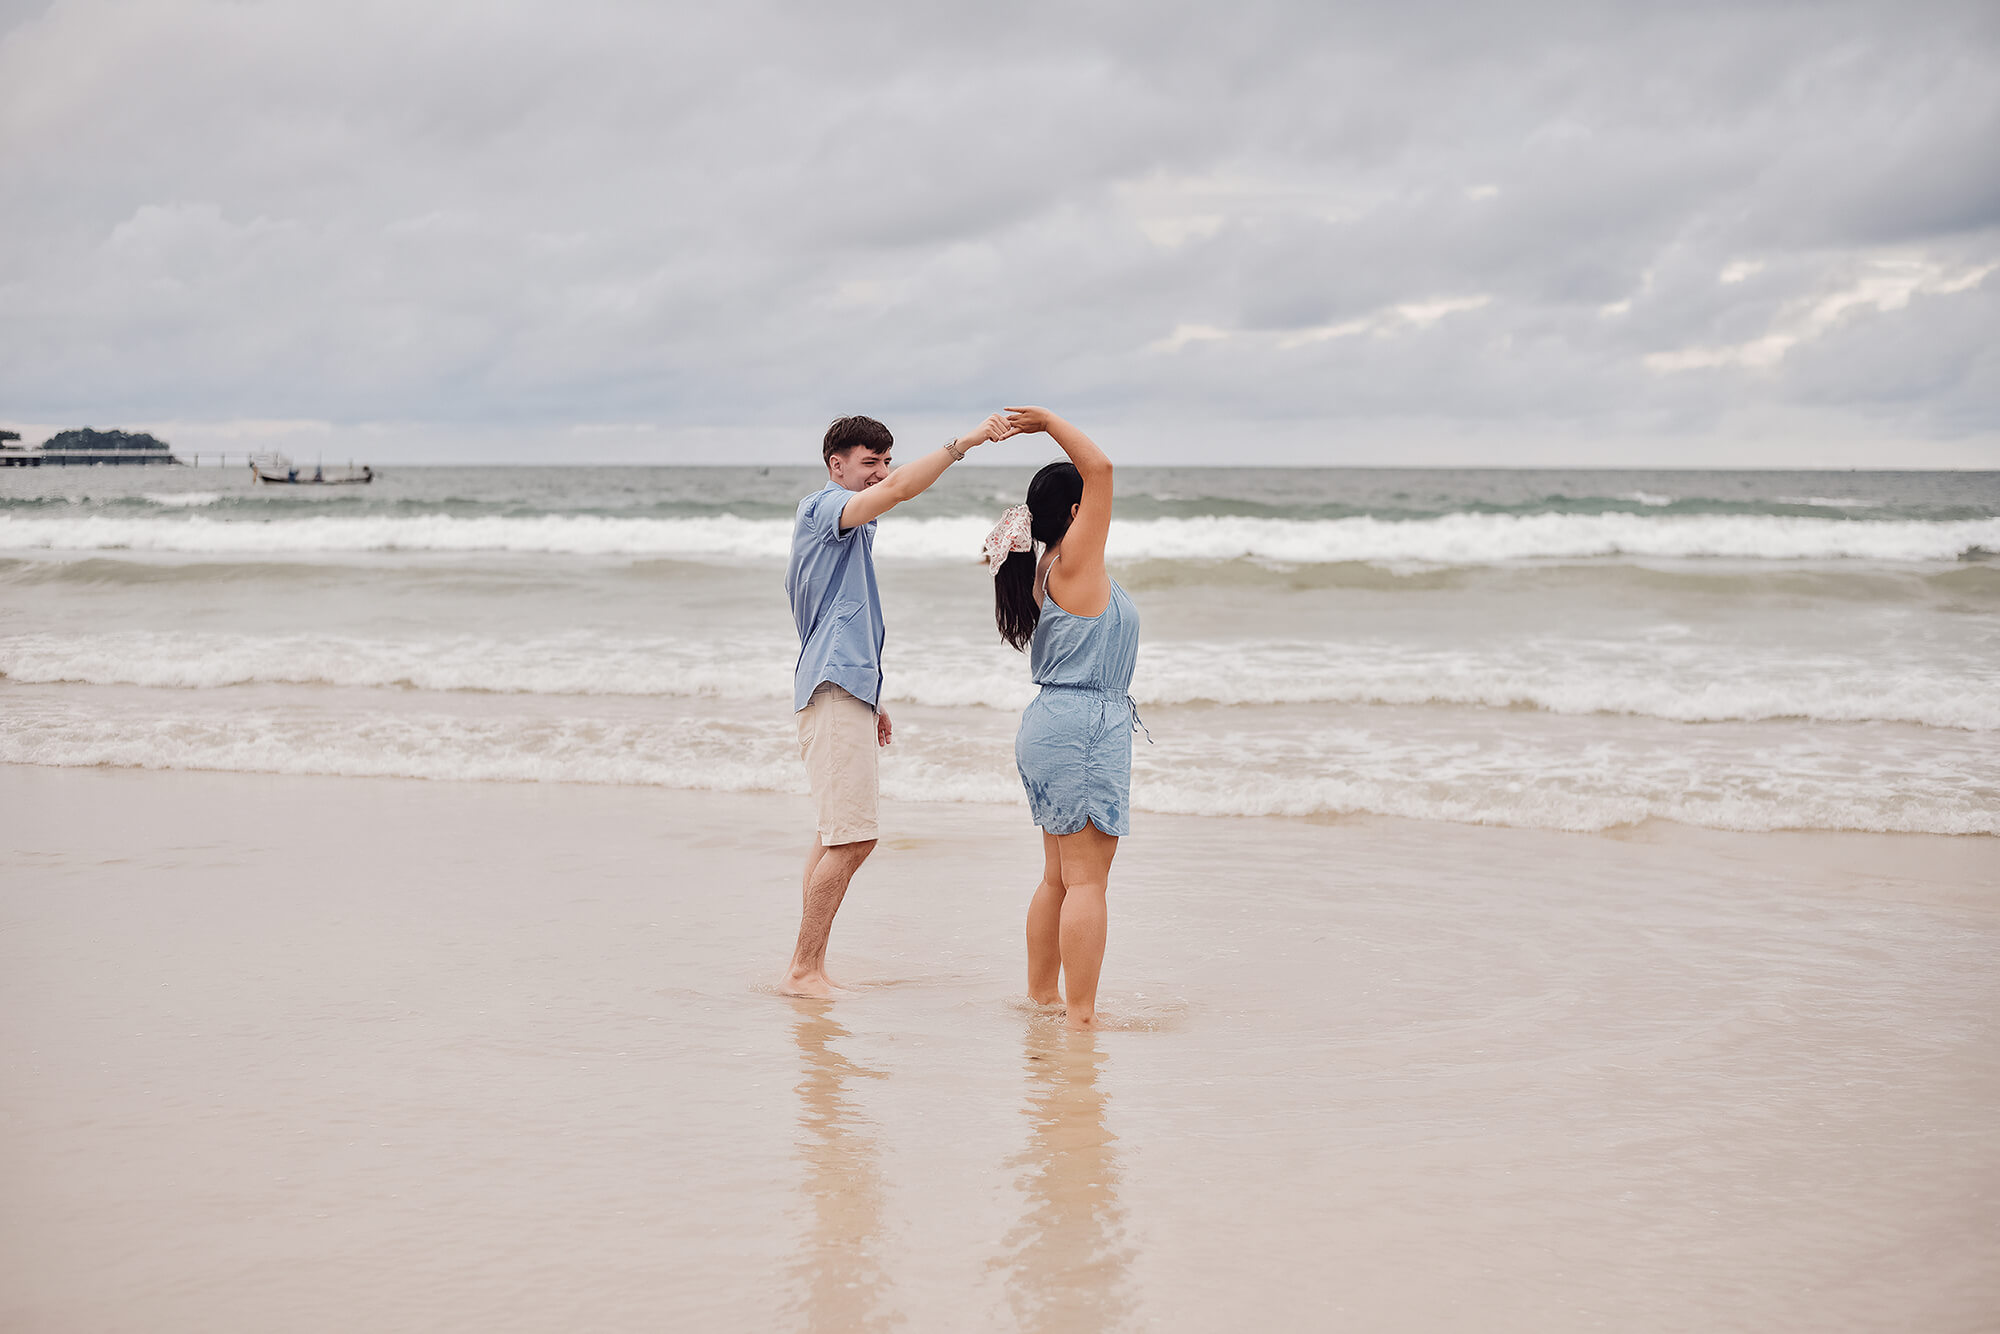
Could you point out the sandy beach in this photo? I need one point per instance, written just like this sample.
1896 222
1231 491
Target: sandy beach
325 1054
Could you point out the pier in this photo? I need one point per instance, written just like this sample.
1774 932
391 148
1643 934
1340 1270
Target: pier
268 466
91 458
88 447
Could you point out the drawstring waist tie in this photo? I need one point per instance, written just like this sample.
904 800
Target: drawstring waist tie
1107 692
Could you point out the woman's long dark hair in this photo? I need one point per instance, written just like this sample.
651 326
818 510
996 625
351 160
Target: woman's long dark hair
1055 491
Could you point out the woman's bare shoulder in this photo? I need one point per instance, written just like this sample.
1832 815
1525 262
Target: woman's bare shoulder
1049 558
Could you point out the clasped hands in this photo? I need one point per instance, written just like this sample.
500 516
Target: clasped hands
1015 421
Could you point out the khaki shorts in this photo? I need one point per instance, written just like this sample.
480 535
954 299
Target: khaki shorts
837 740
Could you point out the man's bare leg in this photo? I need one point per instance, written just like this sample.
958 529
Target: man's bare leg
1086 873
1045 927
813 855
827 874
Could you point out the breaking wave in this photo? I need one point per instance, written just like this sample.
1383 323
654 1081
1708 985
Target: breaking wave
1453 539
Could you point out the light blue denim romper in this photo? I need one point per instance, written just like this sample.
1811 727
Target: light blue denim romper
1074 749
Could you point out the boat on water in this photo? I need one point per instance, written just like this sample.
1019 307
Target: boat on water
281 471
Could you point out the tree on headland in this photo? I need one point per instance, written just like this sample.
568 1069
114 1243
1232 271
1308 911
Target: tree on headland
9 435
90 439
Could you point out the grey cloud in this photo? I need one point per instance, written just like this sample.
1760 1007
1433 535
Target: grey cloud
745 216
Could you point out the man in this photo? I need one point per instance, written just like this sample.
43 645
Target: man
837 686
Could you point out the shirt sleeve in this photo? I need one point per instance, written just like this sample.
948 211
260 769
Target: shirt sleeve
823 516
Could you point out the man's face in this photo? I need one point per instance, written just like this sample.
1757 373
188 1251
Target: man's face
859 469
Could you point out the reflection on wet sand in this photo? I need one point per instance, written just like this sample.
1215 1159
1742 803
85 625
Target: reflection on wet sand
839 1271
1068 1256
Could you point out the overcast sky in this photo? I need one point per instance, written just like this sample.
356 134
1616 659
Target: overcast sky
1384 232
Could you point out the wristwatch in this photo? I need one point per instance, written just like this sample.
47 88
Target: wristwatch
951 447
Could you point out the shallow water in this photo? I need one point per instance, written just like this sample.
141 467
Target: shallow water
319 1054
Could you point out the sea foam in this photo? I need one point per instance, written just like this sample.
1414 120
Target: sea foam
1692 682
1453 539
1521 780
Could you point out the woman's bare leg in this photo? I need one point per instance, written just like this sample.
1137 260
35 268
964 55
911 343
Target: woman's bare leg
1045 927
1086 872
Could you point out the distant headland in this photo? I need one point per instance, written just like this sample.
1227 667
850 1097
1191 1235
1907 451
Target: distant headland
85 445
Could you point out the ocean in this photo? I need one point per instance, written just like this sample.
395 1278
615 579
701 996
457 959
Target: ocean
1566 650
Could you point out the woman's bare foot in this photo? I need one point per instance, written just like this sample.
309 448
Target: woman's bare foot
1053 999
1085 1021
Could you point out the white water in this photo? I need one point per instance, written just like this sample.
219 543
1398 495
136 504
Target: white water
1451 539
1463 766
1677 681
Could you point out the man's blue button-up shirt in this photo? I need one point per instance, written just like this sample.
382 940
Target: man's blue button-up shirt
831 581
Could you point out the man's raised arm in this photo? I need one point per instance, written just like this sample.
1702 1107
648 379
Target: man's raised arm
913 479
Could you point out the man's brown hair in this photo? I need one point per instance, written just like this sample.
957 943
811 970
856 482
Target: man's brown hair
855 433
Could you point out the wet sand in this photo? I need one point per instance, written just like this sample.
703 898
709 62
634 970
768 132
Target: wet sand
327 1054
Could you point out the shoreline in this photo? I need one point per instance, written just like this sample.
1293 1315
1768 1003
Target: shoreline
1880 844
755 747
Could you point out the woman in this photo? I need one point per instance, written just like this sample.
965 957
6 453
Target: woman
1074 748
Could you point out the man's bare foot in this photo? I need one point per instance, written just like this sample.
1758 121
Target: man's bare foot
1046 1002
816 985
1080 1021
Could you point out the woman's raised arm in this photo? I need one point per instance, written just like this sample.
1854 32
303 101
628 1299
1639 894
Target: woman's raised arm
1080 584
